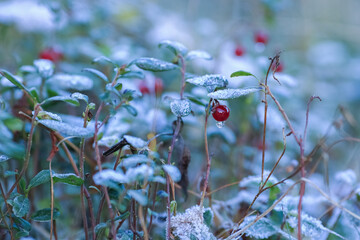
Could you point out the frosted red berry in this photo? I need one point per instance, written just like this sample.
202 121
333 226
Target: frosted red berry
221 113
51 54
159 86
143 88
261 37
239 51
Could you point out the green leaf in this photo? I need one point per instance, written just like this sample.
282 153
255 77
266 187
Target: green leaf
97 73
180 108
131 110
104 59
198 54
44 215
196 101
14 81
132 74
68 130
34 93
241 73
21 206
42 177
230 93
175 47
208 217
211 82
68 178
21 224
173 206
80 96
154 65
67 99
14 124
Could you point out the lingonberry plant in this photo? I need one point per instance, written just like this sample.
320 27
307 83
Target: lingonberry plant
113 162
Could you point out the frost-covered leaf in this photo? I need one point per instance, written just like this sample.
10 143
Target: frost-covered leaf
3 158
254 181
133 74
348 177
175 47
108 141
180 108
211 82
67 99
42 177
262 229
34 93
139 173
27 69
133 160
44 67
198 54
96 73
104 59
230 93
16 81
153 64
135 141
80 96
21 224
68 130
44 215
130 109
21 206
48 115
109 178
241 73
138 196
68 178
158 179
70 81
173 172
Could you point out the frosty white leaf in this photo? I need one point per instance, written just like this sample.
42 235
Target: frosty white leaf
173 172
108 141
175 47
231 93
138 196
153 64
44 67
68 81
139 173
3 158
158 179
135 141
108 176
198 54
181 108
66 129
211 82
67 99
80 96
263 228
48 115
133 160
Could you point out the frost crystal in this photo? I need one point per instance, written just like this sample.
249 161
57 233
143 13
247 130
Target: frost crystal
173 46
190 224
231 93
135 141
67 129
181 108
173 172
263 228
68 81
49 115
44 67
153 64
211 82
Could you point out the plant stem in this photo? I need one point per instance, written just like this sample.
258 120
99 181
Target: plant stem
52 201
8 209
28 150
208 159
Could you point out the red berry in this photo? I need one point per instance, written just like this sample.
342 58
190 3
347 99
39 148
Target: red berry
239 51
159 86
279 68
261 37
144 88
220 113
51 54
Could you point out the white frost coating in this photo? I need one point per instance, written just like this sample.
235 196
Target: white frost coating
231 93
3 158
183 225
254 181
198 54
138 196
211 82
44 67
135 141
80 96
133 160
66 129
47 115
68 81
158 179
181 108
108 174
347 177
108 141
153 64
176 47
173 172
140 172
